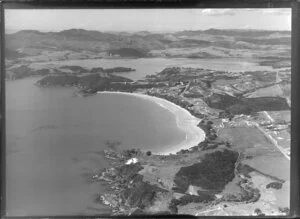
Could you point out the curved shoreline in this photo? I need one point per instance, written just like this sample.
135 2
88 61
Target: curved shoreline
184 120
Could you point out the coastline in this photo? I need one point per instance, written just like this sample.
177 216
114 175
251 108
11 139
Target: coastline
184 120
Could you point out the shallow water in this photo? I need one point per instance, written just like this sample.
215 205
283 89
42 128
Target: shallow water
54 138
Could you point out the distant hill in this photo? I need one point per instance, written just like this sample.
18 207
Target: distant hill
233 32
242 32
144 43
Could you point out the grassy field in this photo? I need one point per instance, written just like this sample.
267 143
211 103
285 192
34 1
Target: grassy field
246 139
272 91
266 157
286 88
283 115
274 164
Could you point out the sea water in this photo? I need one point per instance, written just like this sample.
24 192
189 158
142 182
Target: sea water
54 138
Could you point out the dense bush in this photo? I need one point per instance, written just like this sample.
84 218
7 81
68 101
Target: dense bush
129 153
186 199
61 80
42 72
24 71
234 106
111 70
274 185
93 82
220 101
213 173
118 69
252 105
75 68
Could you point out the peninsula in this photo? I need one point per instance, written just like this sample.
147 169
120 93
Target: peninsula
215 171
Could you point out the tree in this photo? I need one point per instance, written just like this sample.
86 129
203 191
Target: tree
148 153
210 122
257 211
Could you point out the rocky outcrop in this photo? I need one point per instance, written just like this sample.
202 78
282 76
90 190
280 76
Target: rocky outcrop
140 194
128 172
131 194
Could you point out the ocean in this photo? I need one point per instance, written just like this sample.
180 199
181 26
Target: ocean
54 138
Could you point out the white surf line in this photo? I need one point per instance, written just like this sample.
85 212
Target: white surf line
268 116
271 138
214 209
288 100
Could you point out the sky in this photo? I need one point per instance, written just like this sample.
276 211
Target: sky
153 20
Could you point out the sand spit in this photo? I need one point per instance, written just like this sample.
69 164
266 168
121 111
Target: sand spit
184 119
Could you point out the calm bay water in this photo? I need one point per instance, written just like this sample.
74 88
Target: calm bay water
146 66
53 138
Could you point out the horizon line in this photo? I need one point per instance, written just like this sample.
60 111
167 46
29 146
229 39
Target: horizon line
11 31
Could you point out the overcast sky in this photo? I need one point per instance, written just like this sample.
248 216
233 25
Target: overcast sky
155 20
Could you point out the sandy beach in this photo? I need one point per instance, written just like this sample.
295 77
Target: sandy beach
184 119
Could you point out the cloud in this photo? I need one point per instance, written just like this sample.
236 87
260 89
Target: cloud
218 12
222 12
247 26
231 12
214 12
278 11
